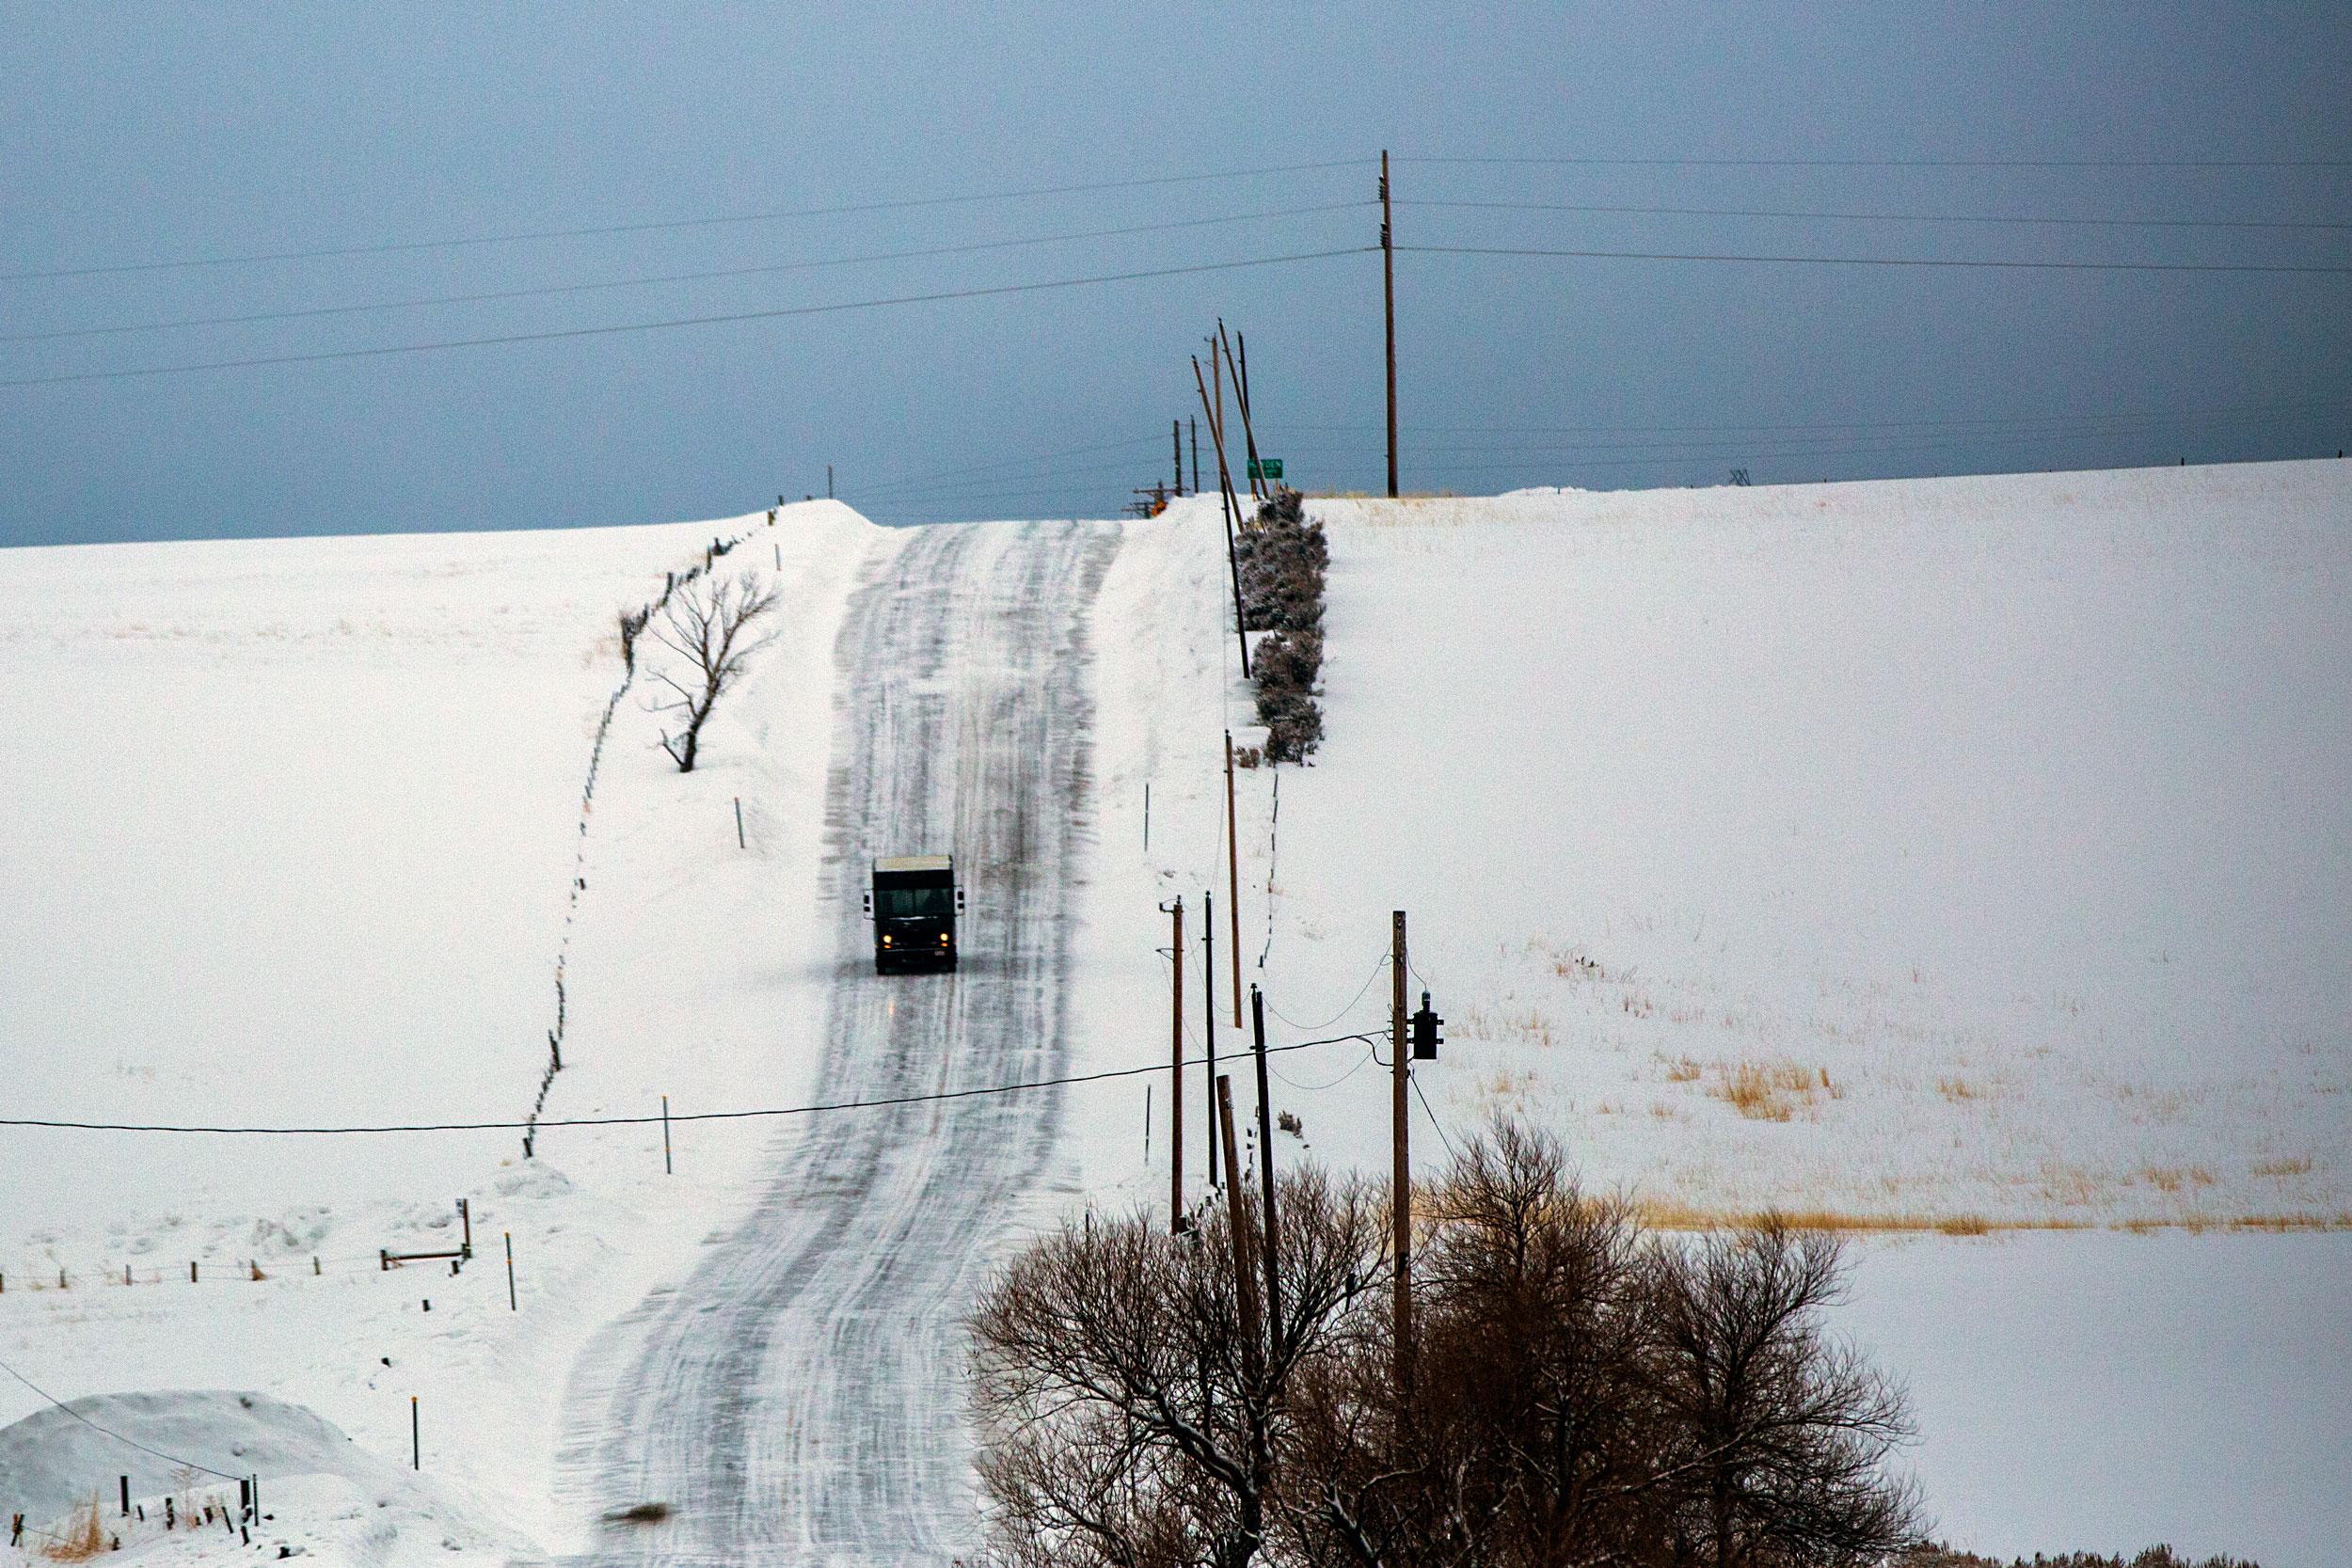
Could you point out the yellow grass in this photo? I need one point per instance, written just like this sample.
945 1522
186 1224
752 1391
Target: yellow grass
83 1538
1767 1091
2301 1165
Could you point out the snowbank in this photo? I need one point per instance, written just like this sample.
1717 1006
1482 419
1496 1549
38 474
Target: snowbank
291 836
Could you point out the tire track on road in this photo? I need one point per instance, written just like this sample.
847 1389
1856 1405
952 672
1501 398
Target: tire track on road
799 1398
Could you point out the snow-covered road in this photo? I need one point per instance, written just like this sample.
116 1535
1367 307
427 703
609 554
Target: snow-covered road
798 1397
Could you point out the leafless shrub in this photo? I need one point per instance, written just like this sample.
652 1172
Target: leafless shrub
1126 1419
1580 1391
706 621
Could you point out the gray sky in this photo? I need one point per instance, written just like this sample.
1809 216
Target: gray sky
145 134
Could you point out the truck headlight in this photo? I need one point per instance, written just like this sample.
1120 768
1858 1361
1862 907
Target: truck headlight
885 941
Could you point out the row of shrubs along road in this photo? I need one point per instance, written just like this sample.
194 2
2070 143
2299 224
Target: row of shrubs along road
1283 558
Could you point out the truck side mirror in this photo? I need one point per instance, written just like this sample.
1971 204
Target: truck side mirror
958 900
869 902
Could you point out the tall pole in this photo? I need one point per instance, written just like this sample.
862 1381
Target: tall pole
1225 493
1232 873
1248 434
1387 289
1400 1170
1195 426
1208 1019
1237 1222
1176 1077
1266 1173
1176 443
829 482
1241 399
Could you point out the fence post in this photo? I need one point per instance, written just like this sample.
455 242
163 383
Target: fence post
510 1273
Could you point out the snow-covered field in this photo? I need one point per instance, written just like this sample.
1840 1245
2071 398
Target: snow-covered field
1933 857
1987 837
290 836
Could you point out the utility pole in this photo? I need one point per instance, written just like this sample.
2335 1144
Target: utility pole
1208 1018
1176 1078
829 482
1388 287
1176 442
1266 1172
1258 486
1232 873
1225 493
1400 1170
1237 1222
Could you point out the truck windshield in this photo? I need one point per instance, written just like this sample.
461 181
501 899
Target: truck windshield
900 903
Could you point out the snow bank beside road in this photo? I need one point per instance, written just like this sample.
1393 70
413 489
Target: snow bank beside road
302 854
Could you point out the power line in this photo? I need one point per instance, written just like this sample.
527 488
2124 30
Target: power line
2236 411
186 1463
666 277
1871 217
388 246
1876 260
1906 162
545 1122
1004 463
677 321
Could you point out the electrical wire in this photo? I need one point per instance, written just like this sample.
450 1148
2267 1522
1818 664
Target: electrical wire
1003 463
2240 410
1377 966
728 318
386 247
186 1464
1413 1077
1903 163
1317 1088
1873 218
656 1118
1881 261
768 269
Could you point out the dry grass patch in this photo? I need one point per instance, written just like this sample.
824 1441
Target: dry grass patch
1767 1091
1499 1025
2171 1178
1957 1090
84 1537
2300 1165
1672 1215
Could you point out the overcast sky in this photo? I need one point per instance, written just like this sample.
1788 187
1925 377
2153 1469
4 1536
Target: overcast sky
138 134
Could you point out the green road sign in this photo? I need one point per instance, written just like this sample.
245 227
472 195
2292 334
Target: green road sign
1265 468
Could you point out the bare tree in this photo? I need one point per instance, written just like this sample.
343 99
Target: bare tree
1127 1422
1583 1393
705 621
1525 1437
1776 1436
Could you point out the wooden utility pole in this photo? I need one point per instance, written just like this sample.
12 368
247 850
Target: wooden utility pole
1208 1019
1176 444
1266 1173
1232 873
1195 426
1225 493
1388 290
1176 1077
1241 377
1237 1222
1241 399
1400 1170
